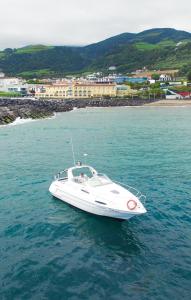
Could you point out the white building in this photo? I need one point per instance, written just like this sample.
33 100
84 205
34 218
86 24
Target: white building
8 84
13 84
170 95
2 75
165 77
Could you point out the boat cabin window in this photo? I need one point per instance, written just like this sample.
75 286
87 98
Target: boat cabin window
83 171
63 175
99 180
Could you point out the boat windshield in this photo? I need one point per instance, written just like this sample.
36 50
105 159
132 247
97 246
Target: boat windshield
99 180
85 171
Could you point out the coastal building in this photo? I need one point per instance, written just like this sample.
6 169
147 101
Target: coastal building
94 76
76 90
125 90
10 81
22 90
165 77
2 75
172 95
13 84
123 79
148 74
112 68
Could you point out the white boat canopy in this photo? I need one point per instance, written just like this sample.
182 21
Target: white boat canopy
84 170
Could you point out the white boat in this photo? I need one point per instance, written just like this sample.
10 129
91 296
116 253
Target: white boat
83 187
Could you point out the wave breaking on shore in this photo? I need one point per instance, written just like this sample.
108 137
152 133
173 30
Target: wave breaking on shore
20 121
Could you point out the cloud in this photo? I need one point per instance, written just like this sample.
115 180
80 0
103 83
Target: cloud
63 22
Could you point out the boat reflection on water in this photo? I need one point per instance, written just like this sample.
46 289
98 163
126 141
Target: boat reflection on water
94 231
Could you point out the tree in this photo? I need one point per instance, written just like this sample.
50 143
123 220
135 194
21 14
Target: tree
8 51
155 85
189 76
155 76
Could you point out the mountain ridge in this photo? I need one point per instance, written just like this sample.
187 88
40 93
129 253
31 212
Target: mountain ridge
156 47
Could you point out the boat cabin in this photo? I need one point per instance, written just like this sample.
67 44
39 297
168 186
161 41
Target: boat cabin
83 174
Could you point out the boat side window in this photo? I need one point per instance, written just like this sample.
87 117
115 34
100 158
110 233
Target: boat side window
63 175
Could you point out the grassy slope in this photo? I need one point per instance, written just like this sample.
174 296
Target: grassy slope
32 49
9 94
153 48
130 58
2 54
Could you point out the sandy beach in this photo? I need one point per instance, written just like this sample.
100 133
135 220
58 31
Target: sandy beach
170 103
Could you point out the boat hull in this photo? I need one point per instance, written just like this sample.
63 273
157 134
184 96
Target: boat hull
90 207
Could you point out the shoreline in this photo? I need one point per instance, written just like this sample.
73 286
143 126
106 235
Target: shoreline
170 103
12 109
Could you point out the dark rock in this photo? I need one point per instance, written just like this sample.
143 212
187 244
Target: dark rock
10 108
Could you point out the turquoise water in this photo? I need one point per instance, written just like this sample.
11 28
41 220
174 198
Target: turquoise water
50 250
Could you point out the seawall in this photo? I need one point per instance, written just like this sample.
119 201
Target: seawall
12 108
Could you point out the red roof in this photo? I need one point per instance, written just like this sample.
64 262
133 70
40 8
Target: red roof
184 94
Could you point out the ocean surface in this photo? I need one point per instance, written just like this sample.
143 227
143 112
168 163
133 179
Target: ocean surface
49 250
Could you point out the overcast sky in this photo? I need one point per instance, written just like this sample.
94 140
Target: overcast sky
80 22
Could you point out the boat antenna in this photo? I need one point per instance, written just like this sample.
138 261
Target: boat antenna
85 155
73 151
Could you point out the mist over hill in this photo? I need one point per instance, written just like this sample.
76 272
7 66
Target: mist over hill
158 48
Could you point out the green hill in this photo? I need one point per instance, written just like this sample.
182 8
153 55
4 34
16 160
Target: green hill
162 48
33 48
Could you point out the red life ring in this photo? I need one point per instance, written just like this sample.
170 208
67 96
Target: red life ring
131 204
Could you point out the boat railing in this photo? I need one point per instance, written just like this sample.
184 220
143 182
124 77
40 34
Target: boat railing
134 191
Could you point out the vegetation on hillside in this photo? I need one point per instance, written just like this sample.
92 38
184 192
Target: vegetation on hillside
189 76
10 94
156 49
33 48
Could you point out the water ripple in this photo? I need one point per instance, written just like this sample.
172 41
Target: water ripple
50 250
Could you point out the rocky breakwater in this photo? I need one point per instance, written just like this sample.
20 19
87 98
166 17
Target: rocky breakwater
11 109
